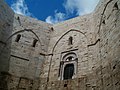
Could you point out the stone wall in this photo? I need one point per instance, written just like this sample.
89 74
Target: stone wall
108 76
80 30
96 42
32 52
6 27
23 47
30 39
84 38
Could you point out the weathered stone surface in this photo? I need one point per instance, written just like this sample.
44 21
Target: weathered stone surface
34 54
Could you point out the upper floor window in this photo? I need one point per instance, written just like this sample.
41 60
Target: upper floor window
34 42
70 40
116 6
18 38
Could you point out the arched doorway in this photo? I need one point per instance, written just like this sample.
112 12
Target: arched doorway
68 71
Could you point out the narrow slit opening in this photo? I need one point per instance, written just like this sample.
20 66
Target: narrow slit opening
18 38
70 40
34 42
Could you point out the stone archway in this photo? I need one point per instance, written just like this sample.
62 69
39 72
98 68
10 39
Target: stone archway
68 66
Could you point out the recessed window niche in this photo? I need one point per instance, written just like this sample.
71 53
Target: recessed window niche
70 41
34 42
18 38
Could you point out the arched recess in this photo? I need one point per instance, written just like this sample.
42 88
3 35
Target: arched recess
103 13
69 54
67 33
68 65
29 30
58 42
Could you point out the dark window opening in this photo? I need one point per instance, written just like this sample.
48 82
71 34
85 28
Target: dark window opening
70 41
116 6
18 38
65 85
103 22
34 42
114 66
68 71
18 18
52 28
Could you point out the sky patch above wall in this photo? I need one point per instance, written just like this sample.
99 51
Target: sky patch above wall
52 11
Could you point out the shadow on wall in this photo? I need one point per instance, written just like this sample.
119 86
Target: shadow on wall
6 27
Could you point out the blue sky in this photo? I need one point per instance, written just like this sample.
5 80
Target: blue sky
52 11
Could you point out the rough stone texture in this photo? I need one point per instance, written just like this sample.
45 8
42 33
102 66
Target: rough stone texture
96 45
26 61
6 27
96 42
